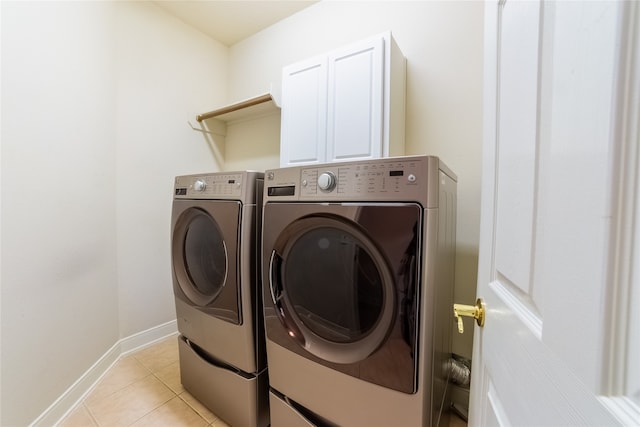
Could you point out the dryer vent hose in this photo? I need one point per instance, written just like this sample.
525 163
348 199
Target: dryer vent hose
459 370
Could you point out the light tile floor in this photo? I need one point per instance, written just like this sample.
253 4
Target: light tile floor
143 389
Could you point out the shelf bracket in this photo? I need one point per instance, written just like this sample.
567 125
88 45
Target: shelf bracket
212 127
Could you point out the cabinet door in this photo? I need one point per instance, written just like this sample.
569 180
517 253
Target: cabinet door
304 113
355 101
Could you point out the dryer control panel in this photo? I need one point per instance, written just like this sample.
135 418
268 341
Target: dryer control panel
355 180
395 178
222 185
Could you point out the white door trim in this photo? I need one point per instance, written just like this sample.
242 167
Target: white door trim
621 377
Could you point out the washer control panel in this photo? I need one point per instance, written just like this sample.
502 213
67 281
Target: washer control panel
208 186
407 178
360 179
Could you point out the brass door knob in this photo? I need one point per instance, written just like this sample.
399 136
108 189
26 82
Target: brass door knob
475 311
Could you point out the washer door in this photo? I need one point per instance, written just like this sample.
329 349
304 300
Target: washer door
204 256
342 284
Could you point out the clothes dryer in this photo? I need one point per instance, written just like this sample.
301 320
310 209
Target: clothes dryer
357 269
214 229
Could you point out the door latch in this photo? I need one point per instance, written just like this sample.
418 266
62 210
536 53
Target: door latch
475 311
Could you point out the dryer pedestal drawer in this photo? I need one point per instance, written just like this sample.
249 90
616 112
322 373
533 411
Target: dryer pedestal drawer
238 398
286 413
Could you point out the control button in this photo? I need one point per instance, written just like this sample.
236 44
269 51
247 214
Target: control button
270 176
327 181
411 178
199 185
304 182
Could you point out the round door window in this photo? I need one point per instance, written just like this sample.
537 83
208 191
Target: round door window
335 289
334 284
203 260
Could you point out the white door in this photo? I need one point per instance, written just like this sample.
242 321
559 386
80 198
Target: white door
304 113
560 241
355 101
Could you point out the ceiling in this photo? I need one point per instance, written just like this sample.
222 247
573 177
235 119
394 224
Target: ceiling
230 21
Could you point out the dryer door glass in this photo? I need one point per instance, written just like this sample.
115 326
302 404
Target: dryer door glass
201 261
334 284
205 256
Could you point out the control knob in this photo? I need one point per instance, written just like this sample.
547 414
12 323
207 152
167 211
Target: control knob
199 185
327 181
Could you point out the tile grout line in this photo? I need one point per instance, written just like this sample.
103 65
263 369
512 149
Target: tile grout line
175 394
215 417
93 418
151 410
179 395
154 371
150 373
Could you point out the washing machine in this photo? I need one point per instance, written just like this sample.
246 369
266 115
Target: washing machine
357 271
215 253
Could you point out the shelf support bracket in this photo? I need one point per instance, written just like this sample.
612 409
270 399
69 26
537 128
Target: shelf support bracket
212 127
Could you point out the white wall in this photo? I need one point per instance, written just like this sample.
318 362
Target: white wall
442 42
95 101
59 299
167 73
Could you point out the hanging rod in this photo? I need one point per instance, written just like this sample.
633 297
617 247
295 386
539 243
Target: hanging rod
235 107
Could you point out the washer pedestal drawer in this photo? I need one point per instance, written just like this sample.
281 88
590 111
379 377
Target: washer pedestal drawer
238 398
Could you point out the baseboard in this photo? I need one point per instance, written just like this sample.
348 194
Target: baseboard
146 338
74 394
81 388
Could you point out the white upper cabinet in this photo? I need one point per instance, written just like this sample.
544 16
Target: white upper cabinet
345 105
355 97
304 121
